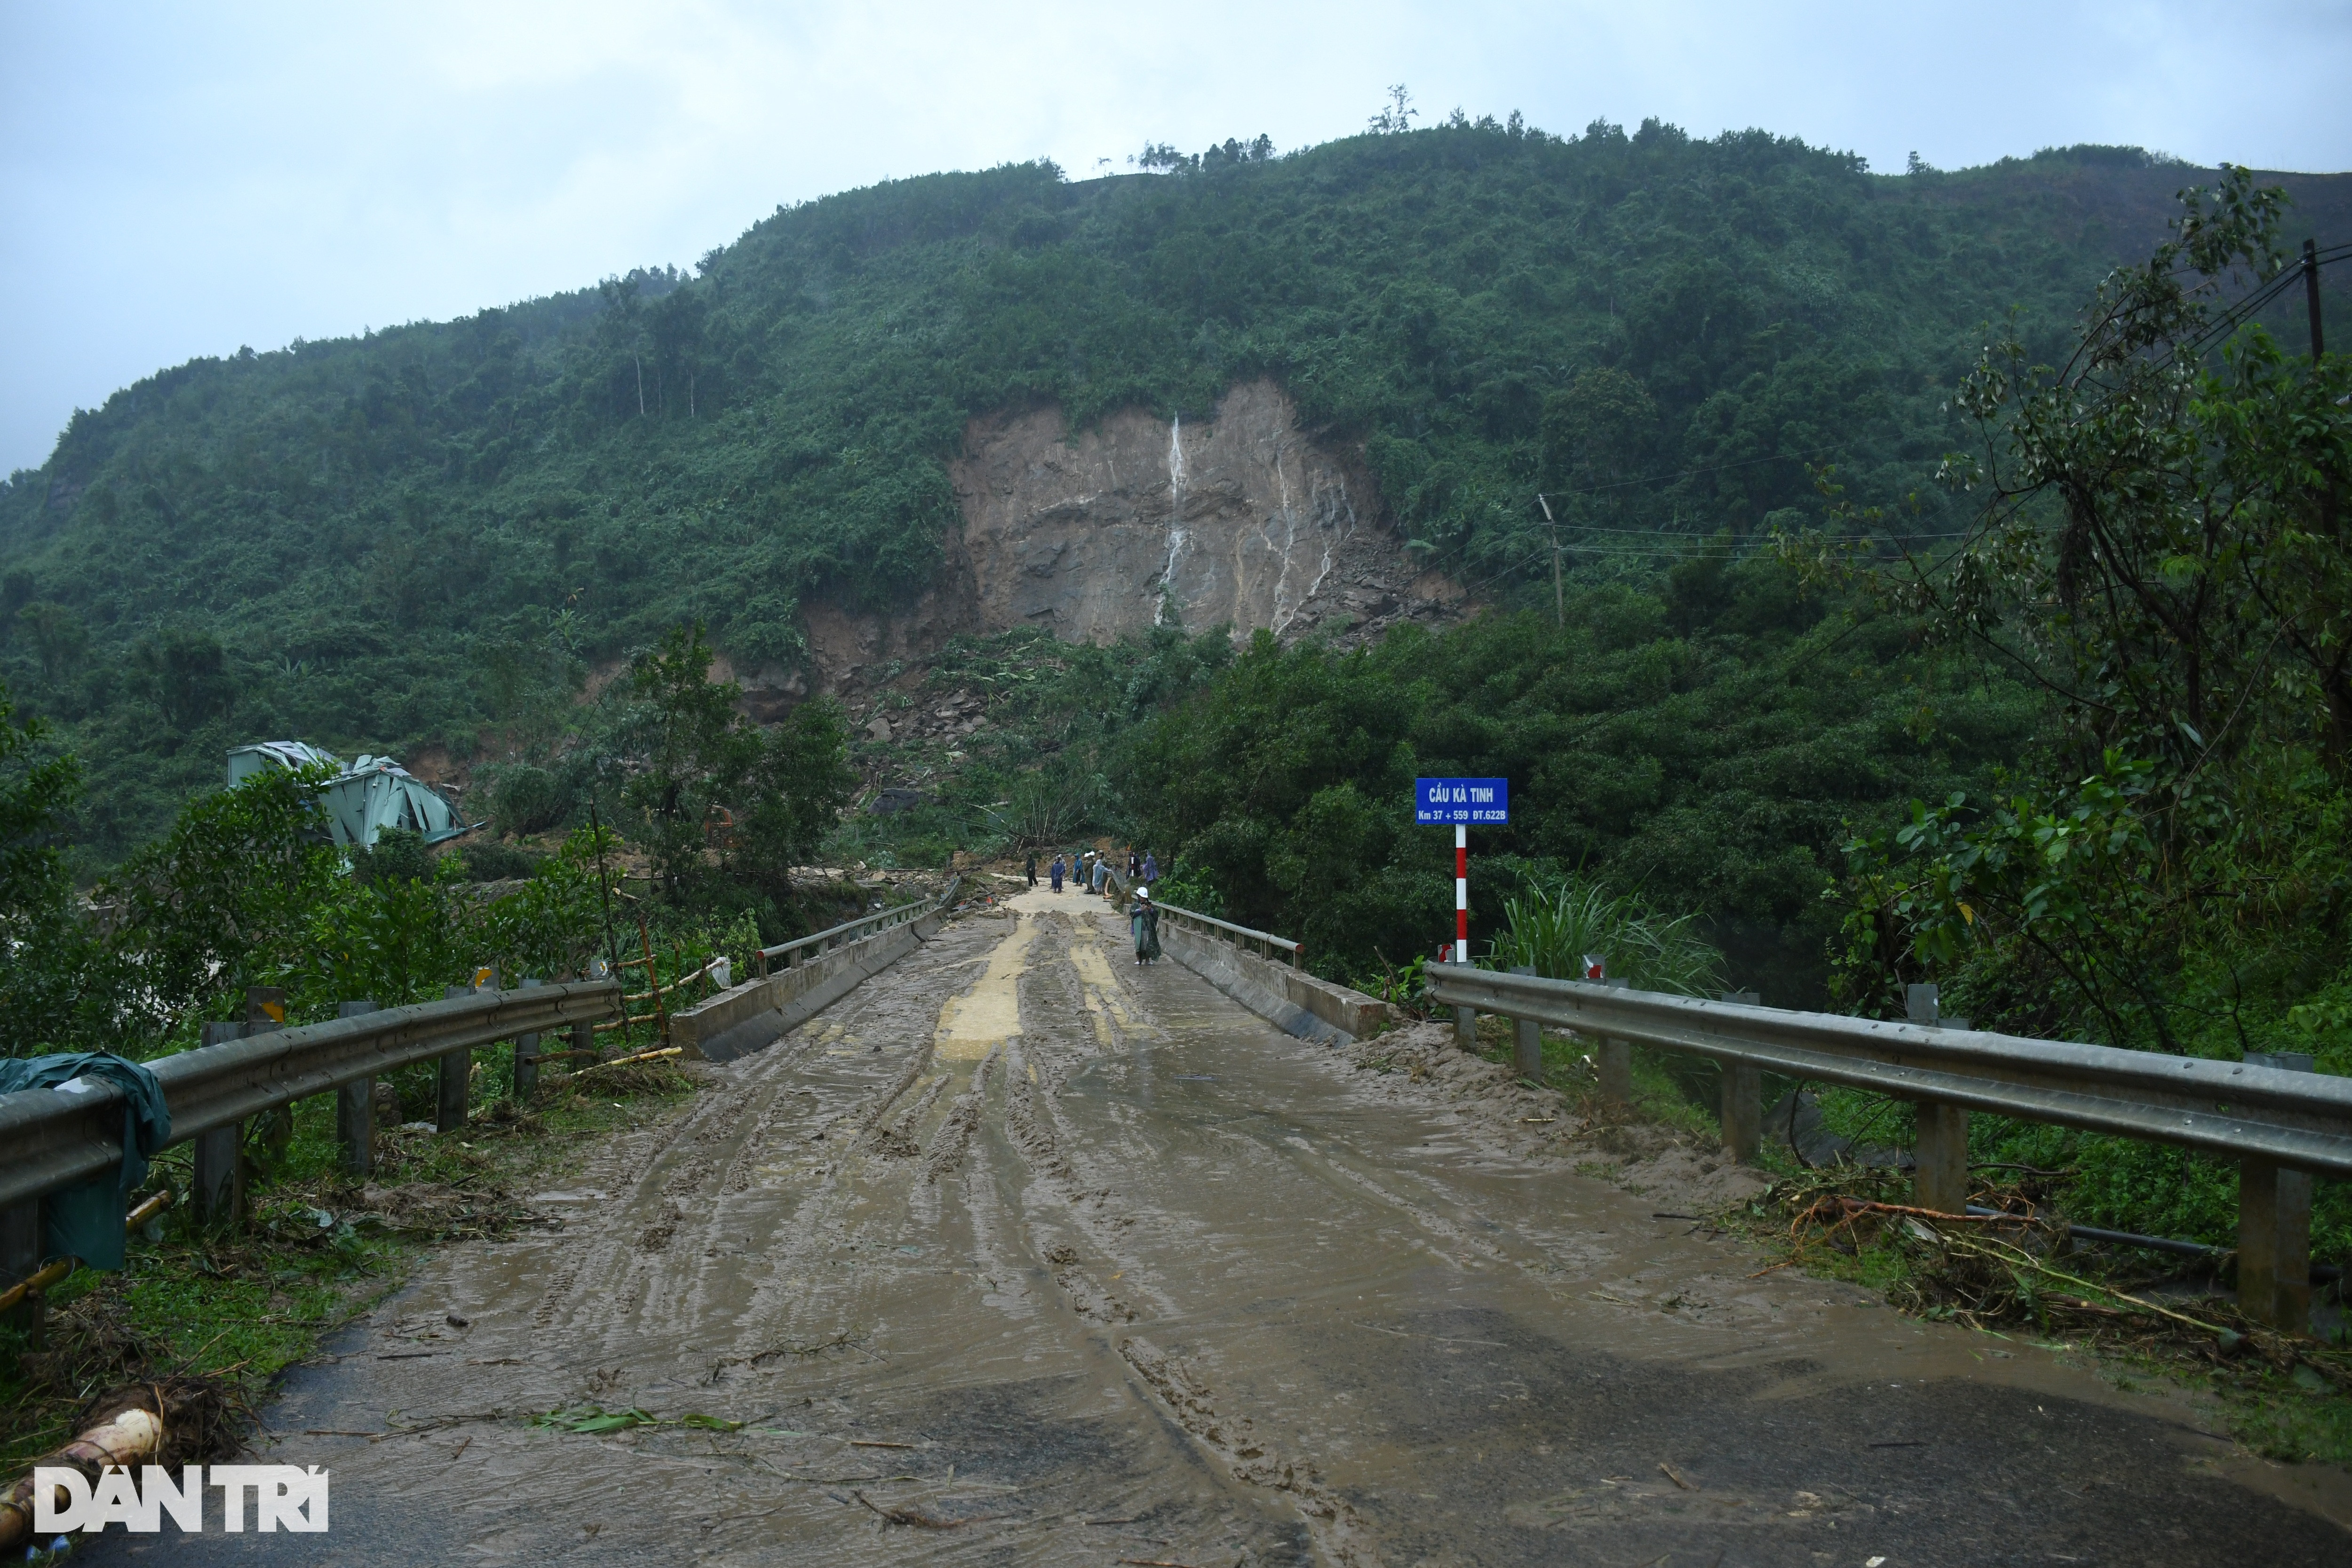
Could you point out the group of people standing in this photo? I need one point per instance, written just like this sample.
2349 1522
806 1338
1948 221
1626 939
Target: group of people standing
1091 872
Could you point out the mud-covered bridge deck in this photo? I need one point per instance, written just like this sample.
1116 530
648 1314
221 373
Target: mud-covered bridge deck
1022 1253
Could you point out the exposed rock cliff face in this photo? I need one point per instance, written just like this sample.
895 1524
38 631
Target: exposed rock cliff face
1244 519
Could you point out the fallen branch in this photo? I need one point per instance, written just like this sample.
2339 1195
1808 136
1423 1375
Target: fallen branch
673 986
624 1061
168 1419
126 1438
2013 1255
1856 1206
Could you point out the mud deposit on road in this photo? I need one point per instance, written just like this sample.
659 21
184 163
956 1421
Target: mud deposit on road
1024 1254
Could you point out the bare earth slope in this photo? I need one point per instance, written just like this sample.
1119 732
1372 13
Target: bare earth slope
1245 520
1023 1253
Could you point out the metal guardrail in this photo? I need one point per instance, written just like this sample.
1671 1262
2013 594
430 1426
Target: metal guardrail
2283 1126
1268 941
49 1140
816 944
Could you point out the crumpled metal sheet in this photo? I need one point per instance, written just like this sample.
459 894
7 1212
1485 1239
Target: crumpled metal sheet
362 800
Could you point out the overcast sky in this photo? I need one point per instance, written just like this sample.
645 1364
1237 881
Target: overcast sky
182 180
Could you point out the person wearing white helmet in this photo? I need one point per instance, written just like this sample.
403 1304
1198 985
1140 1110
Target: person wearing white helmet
1144 920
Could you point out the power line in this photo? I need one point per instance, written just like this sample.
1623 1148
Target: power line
1435 556
2237 315
1710 469
1668 533
2231 319
1706 546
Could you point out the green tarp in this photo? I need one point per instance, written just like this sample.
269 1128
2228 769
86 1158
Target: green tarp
85 1222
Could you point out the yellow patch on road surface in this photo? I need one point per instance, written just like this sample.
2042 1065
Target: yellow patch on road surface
1105 996
990 1011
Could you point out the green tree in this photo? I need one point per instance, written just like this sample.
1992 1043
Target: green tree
1597 432
187 675
48 960
1554 928
392 939
57 636
553 923
2163 547
796 790
223 901
691 750
712 792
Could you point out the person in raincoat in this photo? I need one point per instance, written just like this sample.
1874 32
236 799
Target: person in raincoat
1056 872
1145 922
1150 870
1033 868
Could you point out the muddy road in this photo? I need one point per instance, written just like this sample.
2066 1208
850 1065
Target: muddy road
1024 1254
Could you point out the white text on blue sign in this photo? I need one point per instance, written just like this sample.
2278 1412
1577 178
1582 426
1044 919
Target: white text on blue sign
1449 801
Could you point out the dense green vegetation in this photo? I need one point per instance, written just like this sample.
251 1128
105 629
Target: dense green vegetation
1702 742
2163 552
431 534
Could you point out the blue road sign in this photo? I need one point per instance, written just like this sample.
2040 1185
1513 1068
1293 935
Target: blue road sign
1472 801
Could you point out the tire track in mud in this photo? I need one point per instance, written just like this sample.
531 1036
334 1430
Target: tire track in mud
954 1137
638 1180
862 1146
689 1193
1074 977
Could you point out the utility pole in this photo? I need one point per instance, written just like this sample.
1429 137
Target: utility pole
604 887
1559 602
2318 347
2311 296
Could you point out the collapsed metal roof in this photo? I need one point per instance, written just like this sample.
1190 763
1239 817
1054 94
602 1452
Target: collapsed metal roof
362 800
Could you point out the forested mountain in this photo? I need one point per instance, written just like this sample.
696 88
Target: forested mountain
436 530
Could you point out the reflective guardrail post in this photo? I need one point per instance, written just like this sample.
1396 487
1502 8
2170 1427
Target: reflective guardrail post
355 1108
453 1073
2274 1230
1941 1137
1741 1109
1527 1042
1614 1060
20 1258
526 1061
218 1180
265 1014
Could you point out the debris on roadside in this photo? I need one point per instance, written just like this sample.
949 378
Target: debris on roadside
2013 1272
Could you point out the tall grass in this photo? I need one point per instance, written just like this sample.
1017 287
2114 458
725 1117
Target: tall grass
1551 929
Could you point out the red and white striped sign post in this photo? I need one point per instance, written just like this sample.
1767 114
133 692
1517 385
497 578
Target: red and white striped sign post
1461 801
1461 893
